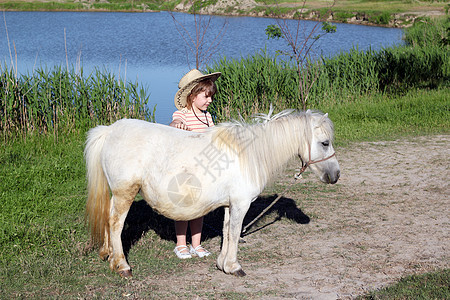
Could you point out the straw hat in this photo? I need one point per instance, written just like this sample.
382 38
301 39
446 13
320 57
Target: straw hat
188 82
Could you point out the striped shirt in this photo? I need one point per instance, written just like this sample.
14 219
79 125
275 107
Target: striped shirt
199 124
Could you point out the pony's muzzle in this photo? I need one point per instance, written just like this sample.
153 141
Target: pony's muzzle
331 177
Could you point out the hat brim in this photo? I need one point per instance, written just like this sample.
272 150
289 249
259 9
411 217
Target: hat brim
183 92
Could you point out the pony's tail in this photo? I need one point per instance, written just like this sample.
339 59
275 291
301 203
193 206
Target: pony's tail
98 201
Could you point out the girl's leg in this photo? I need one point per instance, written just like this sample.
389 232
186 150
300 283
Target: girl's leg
181 250
180 229
196 231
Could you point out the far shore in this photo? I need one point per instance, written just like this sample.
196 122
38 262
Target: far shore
387 15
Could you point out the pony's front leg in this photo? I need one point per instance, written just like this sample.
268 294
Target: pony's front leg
119 211
225 234
237 214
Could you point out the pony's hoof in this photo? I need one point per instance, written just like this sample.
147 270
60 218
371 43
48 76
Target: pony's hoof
125 274
239 273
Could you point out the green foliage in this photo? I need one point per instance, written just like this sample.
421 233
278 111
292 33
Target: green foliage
349 74
60 101
112 5
384 116
273 31
328 27
31 6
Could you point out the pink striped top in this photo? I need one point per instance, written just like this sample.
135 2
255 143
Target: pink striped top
189 118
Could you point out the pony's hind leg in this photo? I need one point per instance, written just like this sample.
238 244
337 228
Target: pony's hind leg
121 203
105 249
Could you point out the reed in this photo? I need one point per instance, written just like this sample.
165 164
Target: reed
63 101
427 31
250 85
404 68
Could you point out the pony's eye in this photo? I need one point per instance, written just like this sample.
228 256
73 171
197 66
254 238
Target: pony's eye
326 143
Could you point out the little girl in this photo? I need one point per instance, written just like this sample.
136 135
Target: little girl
192 99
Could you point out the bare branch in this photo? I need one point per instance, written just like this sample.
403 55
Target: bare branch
198 45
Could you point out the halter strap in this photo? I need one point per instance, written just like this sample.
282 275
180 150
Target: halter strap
310 162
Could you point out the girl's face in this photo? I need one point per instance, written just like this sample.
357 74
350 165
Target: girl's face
202 101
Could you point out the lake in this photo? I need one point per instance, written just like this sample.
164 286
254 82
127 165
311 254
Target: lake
148 48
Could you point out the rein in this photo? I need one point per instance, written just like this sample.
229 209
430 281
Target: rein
296 176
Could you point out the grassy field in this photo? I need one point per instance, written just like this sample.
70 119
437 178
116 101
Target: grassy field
45 249
44 245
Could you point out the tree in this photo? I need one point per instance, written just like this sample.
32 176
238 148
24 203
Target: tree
300 42
199 44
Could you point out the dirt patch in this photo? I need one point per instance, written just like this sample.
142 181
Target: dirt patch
387 217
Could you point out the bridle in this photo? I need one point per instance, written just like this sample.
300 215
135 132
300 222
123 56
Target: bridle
310 162
296 176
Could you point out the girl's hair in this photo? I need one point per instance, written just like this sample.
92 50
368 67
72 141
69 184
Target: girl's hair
208 86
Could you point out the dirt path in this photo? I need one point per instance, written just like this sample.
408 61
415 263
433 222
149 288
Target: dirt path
387 217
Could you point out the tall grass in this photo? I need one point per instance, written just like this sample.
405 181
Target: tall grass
403 68
57 100
251 84
427 31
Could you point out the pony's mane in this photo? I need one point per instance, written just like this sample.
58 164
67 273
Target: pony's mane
264 145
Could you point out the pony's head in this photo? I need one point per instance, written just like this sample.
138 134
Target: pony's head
318 153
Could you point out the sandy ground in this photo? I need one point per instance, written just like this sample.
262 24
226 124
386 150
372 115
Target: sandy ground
387 217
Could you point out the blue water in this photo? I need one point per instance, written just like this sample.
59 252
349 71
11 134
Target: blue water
148 48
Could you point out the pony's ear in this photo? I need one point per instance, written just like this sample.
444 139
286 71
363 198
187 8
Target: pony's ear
322 119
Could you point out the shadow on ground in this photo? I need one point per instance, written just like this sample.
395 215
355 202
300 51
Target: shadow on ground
141 218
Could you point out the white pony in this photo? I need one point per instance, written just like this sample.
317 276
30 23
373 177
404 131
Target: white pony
184 175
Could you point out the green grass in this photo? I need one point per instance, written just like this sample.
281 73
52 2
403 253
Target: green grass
418 112
44 245
435 285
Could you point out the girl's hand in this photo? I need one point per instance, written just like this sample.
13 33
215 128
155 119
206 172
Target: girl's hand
179 125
